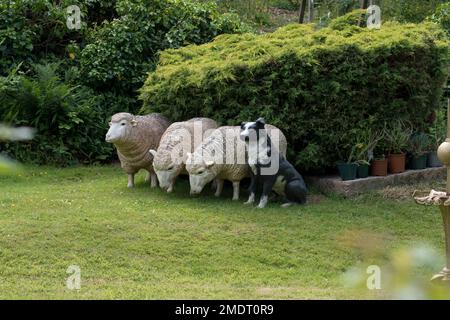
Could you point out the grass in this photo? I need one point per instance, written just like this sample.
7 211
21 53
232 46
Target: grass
145 244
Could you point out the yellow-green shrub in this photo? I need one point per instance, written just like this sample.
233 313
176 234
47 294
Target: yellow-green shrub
319 86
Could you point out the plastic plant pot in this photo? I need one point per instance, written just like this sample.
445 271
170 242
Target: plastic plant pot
433 160
347 171
363 171
379 167
419 162
397 163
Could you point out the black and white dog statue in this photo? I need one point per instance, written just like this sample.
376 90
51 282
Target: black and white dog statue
269 168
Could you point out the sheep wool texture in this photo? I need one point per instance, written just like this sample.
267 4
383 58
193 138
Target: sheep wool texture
172 142
218 142
133 151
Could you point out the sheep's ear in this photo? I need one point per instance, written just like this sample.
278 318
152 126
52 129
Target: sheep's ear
209 163
133 123
153 152
261 121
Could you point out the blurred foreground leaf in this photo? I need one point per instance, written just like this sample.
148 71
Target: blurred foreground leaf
405 275
16 134
8 166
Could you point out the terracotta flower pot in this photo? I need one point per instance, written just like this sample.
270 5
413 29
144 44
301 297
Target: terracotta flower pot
379 167
397 163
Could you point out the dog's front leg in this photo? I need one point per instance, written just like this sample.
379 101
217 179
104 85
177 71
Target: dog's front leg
252 189
267 187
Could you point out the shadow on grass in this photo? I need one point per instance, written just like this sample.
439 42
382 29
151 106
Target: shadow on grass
223 204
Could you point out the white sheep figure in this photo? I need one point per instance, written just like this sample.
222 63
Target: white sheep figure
133 136
222 156
179 139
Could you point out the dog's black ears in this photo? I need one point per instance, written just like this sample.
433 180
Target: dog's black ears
243 123
261 121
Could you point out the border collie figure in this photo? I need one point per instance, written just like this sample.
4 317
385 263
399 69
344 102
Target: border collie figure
269 168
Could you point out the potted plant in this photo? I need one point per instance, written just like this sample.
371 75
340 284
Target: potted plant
363 169
397 139
379 165
367 142
418 144
437 135
348 168
357 162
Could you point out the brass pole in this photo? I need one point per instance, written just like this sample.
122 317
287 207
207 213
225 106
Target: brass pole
448 119
448 140
445 218
446 210
444 156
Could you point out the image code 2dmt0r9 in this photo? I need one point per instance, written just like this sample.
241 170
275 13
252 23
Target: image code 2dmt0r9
248 309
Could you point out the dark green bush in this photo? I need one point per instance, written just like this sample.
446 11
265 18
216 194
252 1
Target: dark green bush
71 121
71 81
408 10
254 12
121 52
34 29
319 86
442 16
16 39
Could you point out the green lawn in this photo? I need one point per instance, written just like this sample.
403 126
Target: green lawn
145 244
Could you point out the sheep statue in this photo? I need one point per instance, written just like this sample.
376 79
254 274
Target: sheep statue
133 136
222 156
179 139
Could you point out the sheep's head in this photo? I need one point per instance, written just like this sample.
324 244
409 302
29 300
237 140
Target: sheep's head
166 169
200 172
120 127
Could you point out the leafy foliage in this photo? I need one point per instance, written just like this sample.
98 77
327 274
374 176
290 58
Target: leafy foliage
409 10
317 85
438 130
397 136
442 16
346 21
70 120
419 144
252 12
121 52
71 81
34 29
16 40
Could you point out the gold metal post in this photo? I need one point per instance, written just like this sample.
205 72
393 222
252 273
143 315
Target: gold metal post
444 156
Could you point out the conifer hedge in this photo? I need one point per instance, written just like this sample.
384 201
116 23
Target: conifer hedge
321 87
